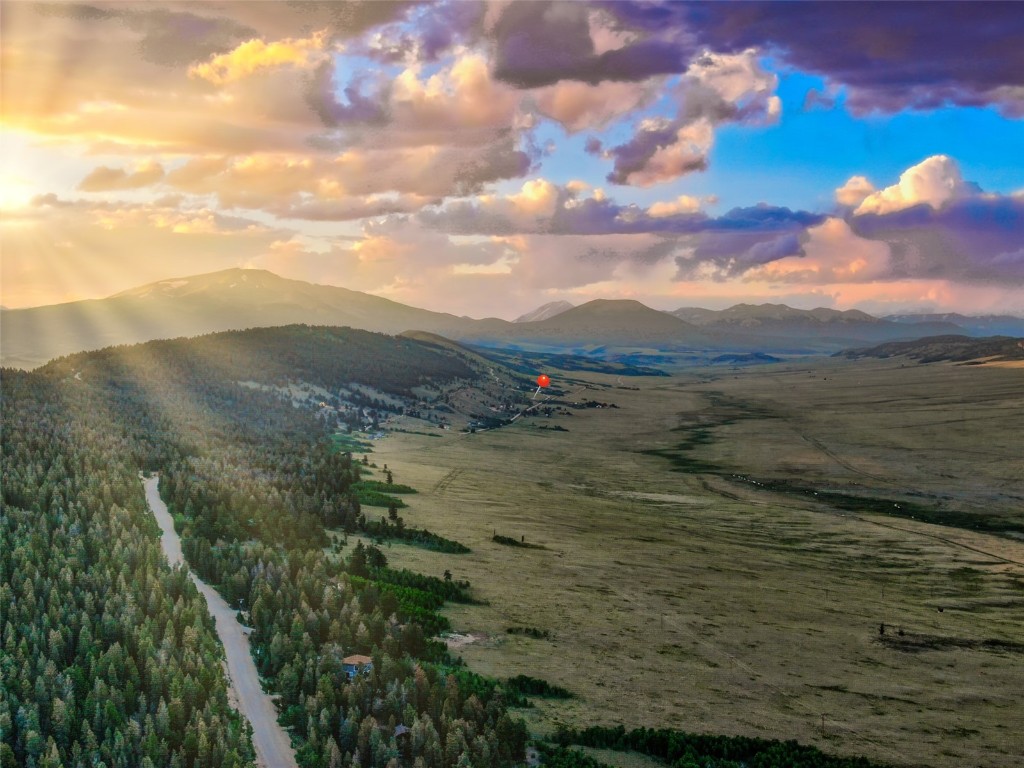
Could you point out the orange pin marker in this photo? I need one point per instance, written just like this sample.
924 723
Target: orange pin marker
542 381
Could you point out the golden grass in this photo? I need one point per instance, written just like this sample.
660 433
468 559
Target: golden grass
708 604
1006 364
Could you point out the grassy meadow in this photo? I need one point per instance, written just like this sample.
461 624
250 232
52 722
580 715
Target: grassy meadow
689 577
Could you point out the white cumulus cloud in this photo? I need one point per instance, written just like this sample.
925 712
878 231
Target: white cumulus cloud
935 181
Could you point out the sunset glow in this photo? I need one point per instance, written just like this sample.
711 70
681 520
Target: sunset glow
484 158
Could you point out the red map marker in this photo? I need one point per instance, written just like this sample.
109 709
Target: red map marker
543 380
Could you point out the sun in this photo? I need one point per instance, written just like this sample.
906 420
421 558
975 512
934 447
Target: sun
15 191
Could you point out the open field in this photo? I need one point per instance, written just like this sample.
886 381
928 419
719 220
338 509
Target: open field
704 602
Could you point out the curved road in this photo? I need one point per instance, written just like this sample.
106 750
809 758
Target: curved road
273 746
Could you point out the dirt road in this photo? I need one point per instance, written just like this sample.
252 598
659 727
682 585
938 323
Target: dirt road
273 747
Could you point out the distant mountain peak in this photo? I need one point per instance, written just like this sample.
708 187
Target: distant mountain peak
613 305
224 278
544 312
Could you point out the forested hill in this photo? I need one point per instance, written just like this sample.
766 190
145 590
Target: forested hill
109 657
320 355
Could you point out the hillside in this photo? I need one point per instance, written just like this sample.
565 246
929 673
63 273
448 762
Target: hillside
321 356
345 377
947 348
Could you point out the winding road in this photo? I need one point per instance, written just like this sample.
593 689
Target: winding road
273 746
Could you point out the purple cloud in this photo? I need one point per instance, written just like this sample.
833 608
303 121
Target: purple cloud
432 31
592 216
715 89
978 239
540 43
891 55
634 156
734 252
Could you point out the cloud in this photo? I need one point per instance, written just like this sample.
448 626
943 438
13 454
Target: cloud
682 204
934 181
542 207
457 104
462 96
973 240
536 44
352 208
254 55
660 151
716 89
831 253
901 55
917 295
105 179
283 114
429 32
262 81
312 186
582 106
172 34
854 191
939 226
722 255
898 56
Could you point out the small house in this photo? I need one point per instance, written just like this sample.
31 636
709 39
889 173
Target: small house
355 664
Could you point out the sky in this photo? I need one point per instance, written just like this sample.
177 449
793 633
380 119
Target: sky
484 158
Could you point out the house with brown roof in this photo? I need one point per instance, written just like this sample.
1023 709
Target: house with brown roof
355 664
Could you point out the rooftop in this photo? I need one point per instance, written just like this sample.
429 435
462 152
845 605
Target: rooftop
357 659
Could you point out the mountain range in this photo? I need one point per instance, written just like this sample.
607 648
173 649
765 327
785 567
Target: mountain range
235 299
778 324
990 350
979 325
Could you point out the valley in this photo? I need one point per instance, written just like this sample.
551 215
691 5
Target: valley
694 597
826 551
